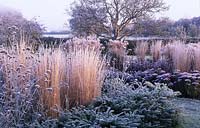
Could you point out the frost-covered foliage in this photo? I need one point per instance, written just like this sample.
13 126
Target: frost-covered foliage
35 85
188 83
19 107
150 102
122 106
135 65
39 88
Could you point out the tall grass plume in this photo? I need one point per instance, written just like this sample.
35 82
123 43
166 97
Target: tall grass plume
141 50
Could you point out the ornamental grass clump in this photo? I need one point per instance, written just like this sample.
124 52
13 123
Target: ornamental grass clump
117 51
197 56
85 73
141 50
50 77
156 50
183 56
89 42
35 85
71 75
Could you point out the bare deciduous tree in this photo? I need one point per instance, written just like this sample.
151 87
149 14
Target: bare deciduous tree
111 17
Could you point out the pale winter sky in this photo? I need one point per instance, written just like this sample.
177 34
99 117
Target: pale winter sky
53 15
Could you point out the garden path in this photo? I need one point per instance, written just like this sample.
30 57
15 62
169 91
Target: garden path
189 116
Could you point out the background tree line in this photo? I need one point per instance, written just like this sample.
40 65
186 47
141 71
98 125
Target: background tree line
116 19
164 27
111 18
13 26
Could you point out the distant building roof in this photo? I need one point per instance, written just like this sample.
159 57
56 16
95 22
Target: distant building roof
57 35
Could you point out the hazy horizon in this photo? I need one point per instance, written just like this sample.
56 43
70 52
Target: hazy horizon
53 15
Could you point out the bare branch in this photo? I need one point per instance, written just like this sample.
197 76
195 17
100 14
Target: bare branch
112 17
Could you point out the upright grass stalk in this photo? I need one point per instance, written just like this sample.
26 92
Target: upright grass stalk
141 50
183 56
156 50
85 74
63 77
180 57
117 51
51 76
